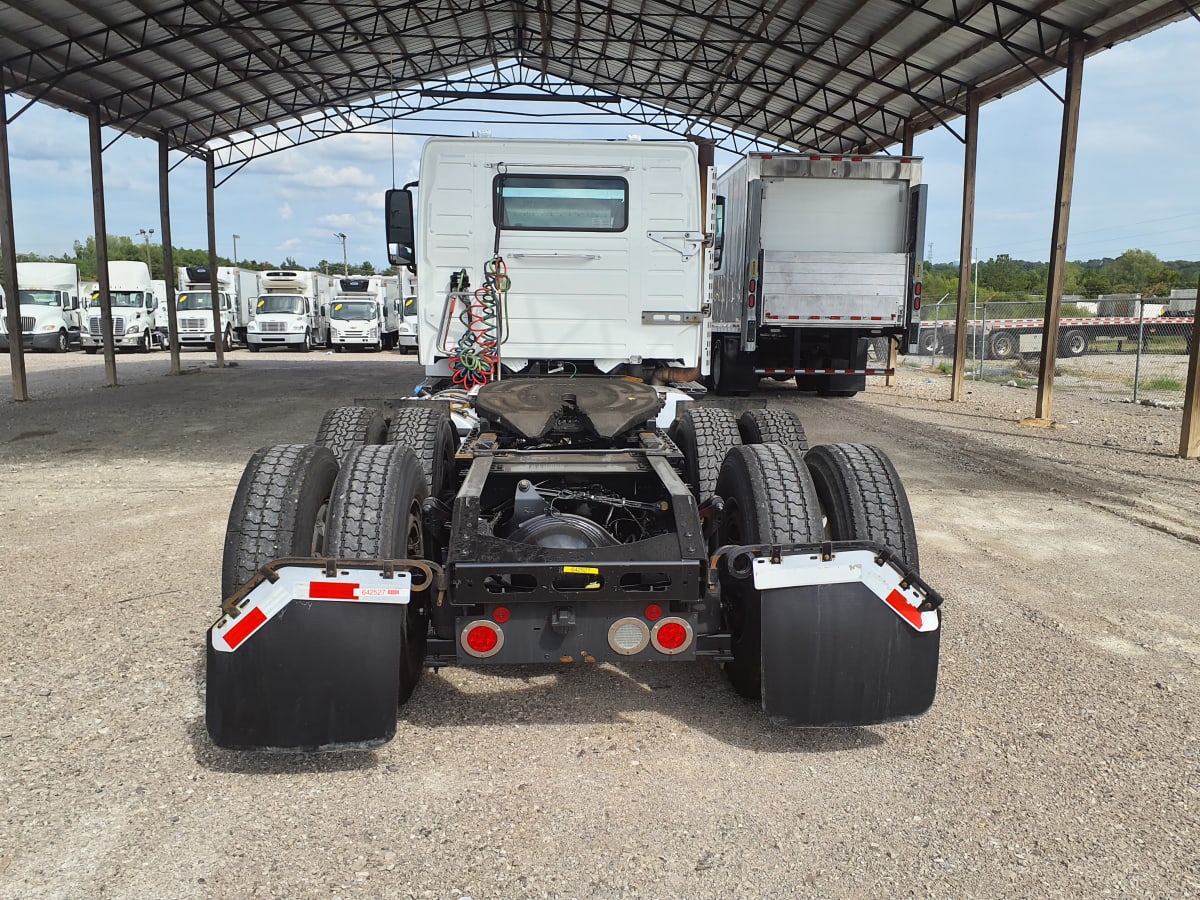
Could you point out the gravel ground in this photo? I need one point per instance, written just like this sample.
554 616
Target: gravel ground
1061 759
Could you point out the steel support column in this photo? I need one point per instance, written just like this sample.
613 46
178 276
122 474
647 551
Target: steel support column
164 210
1062 216
210 190
8 256
908 137
106 321
1189 432
970 156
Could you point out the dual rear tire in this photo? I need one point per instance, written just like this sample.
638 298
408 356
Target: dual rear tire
775 495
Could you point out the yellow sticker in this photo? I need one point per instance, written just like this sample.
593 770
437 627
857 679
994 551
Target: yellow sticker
337 306
262 303
182 298
580 570
95 295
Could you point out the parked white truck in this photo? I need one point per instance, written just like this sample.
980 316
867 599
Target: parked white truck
562 523
818 257
603 257
364 313
237 289
290 310
51 318
134 305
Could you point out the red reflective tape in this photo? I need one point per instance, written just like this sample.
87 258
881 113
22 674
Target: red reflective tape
332 590
907 611
246 626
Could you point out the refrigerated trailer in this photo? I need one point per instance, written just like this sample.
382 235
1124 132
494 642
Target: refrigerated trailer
817 257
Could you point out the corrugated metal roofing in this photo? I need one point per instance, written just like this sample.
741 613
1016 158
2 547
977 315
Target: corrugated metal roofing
810 74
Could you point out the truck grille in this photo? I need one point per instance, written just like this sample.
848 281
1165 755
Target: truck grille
272 326
118 327
193 325
27 323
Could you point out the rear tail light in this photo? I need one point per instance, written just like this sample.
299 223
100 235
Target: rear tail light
482 638
671 635
628 636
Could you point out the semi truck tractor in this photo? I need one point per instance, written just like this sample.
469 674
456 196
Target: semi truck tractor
567 504
290 310
818 257
51 317
134 305
364 313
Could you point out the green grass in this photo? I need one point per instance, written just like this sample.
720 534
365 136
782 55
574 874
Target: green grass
1163 383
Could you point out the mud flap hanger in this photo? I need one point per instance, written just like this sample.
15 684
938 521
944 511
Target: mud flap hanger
686 243
878 568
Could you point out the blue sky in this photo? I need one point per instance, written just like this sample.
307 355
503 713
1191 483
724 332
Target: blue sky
1137 182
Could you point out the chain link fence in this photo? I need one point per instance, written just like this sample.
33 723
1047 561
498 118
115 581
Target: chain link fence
1125 349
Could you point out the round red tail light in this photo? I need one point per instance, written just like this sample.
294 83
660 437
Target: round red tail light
501 614
671 635
482 638
654 612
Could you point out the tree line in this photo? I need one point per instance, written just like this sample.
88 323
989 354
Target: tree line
1003 278
83 255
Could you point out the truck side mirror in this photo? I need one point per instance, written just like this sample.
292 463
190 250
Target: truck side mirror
74 303
401 232
151 302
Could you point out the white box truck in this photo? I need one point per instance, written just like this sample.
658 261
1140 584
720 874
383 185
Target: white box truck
237 290
603 257
818 257
290 310
364 312
134 305
51 318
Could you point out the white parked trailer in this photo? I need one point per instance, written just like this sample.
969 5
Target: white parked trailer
818 256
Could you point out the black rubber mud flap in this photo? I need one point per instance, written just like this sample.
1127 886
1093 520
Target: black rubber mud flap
315 676
835 655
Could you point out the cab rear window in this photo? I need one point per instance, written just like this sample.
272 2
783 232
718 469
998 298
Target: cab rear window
561 203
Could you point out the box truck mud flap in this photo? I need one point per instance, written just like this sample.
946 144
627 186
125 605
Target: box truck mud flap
849 637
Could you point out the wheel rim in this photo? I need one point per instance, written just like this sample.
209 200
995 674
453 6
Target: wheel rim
318 538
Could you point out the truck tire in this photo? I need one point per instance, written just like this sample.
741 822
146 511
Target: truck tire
1004 345
769 498
862 498
773 426
306 345
345 427
1072 343
253 348
430 434
375 513
63 344
278 510
704 434
927 342
143 344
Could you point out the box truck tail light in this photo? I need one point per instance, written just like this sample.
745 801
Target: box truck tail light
482 638
654 612
628 636
671 635
752 296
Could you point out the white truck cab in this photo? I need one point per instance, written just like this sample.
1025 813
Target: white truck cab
134 305
51 318
288 313
364 312
601 248
409 324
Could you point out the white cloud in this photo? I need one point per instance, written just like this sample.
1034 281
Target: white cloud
285 211
331 178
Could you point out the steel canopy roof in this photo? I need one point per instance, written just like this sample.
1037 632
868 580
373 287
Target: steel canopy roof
824 75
